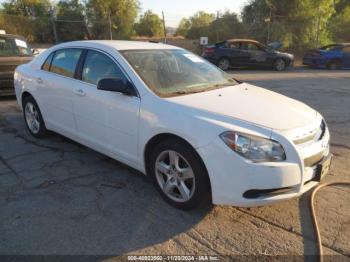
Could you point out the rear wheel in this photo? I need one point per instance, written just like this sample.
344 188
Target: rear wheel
179 174
224 63
333 65
33 118
279 64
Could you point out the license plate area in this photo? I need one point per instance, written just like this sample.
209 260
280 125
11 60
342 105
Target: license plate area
323 168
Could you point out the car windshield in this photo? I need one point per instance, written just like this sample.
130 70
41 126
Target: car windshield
176 72
13 47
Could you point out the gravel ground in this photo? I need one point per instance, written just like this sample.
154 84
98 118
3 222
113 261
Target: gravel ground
58 197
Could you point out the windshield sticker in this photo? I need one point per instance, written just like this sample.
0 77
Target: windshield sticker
21 43
194 58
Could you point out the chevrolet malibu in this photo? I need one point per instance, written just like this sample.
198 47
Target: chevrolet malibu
200 135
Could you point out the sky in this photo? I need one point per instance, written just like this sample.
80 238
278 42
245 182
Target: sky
175 10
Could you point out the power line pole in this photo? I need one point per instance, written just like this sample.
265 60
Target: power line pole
164 27
54 26
318 26
110 26
269 28
217 26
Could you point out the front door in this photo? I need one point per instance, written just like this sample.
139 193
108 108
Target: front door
107 121
255 55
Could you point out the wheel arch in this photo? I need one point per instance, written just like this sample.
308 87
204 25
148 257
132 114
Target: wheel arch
24 95
158 139
286 60
162 137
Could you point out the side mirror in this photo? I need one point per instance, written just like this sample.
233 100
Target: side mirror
35 51
116 85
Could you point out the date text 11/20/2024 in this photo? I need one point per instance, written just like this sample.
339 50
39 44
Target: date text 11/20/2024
173 258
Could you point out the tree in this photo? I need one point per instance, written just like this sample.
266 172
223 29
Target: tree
297 24
195 26
183 27
120 13
31 18
225 27
70 20
149 25
339 26
200 22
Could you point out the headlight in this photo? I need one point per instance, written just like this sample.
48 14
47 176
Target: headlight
254 148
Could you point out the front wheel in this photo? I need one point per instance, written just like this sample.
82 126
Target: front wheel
179 174
33 118
333 65
279 64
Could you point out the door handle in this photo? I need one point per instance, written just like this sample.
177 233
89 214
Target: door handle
79 92
39 80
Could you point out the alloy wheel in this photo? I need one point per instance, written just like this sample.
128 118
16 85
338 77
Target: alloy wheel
32 118
175 176
280 65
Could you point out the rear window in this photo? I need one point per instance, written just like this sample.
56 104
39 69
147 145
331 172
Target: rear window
65 61
13 47
47 64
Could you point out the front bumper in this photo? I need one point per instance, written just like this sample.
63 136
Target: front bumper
232 177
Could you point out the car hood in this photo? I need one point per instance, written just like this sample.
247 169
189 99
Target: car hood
274 45
252 104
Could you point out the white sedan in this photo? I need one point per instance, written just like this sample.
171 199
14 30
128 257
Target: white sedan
200 135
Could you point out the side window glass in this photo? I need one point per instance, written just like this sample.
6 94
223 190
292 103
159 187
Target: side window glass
98 66
250 46
65 61
47 64
234 45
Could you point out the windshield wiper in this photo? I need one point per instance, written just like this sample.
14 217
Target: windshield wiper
187 92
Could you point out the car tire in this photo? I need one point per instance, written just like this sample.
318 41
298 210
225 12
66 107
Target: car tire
179 175
224 63
279 64
333 65
33 118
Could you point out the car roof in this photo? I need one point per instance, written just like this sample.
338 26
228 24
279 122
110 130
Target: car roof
121 44
12 36
243 40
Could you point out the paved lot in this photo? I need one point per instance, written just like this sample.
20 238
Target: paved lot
57 197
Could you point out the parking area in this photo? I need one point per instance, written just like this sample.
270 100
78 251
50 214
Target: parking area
58 197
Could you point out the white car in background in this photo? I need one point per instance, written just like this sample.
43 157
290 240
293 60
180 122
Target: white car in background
199 134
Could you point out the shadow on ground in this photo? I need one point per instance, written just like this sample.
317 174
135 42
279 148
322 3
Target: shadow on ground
58 197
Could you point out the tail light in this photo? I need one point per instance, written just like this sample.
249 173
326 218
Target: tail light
209 50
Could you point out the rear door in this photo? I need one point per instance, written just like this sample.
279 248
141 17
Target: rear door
346 57
236 55
106 121
55 84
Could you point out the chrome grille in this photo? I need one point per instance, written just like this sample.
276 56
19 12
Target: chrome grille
315 136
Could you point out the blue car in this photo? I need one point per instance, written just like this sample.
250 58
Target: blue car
336 56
